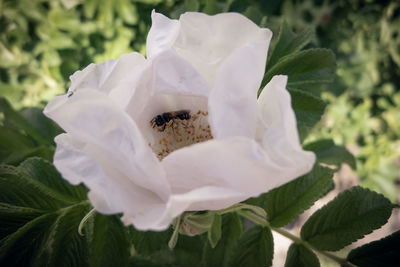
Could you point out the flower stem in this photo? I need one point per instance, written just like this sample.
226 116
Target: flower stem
263 222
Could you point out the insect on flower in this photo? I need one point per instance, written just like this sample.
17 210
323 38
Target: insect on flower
165 119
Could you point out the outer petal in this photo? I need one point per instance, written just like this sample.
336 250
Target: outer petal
162 34
277 129
110 190
206 41
237 166
94 119
107 75
233 101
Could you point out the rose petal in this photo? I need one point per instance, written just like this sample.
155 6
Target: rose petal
206 41
236 164
277 128
94 119
162 34
110 75
174 75
110 190
233 100
93 76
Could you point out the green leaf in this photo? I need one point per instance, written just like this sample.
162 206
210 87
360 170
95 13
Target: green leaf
254 248
46 127
300 256
214 234
289 43
15 147
188 251
18 189
127 11
64 246
191 5
20 247
287 202
40 214
231 231
15 119
351 215
311 66
329 153
45 173
108 241
307 107
146 243
384 252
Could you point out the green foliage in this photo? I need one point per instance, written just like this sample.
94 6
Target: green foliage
254 248
286 203
308 109
43 42
300 256
40 216
25 134
384 252
36 202
214 234
329 153
315 65
351 215
231 232
363 103
288 42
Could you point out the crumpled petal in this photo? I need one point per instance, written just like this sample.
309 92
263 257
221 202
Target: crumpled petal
107 76
232 103
277 128
174 75
204 41
162 34
94 119
110 190
237 164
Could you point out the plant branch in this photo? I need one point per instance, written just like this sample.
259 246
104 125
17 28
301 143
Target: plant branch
263 222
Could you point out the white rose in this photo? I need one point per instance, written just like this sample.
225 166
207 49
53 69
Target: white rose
220 145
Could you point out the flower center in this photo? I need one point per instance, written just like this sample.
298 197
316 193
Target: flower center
177 129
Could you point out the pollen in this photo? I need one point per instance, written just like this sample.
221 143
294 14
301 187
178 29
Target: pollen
178 133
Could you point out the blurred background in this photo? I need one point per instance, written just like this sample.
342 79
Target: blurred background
43 42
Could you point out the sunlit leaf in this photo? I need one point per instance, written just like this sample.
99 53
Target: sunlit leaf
351 215
287 202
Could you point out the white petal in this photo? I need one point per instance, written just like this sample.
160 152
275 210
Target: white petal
174 75
162 34
277 129
238 165
93 118
154 218
110 190
233 100
168 83
118 78
205 41
123 82
93 76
